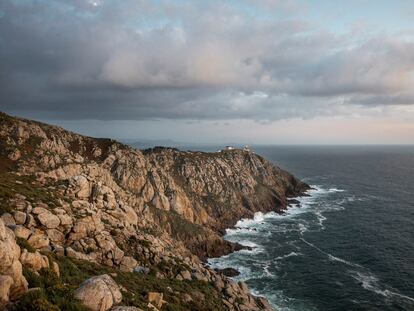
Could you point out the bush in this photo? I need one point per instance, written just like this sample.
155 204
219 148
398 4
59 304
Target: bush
53 295
35 301
24 244
32 278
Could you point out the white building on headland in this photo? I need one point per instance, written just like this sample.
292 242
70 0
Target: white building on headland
245 148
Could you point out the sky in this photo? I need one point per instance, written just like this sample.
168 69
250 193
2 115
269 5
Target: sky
246 71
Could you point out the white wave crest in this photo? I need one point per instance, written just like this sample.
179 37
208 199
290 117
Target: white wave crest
330 256
320 190
248 222
266 270
291 254
370 282
320 218
302 228
336 190
257 219
251 225
248 243
240 231
334 258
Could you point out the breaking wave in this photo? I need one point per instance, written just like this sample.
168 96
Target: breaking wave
258 234
279 240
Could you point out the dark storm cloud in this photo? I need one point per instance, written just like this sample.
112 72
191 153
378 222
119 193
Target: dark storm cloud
195 60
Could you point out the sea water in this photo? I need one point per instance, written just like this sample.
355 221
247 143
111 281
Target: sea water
349 245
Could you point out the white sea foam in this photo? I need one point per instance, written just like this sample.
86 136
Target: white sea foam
248 222
248 232
367 280
266 267
248 243
252 251
280 301
351 198
302 228
251 225
334 258
330 256
263 224
254 247
291 254
320 190
321 219
241 231
370 282
226 262
336 190
257 219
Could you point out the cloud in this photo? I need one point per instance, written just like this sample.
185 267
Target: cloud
136 60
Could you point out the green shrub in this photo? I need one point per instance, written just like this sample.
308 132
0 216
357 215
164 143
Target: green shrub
54 295
145 243
35 301
74 271
32 278
181 228
43 304
24 244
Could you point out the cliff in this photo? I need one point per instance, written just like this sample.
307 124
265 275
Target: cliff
158 212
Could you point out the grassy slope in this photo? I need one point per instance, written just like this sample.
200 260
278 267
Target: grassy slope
56 293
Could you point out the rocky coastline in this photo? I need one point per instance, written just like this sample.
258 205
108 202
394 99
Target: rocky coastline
97 225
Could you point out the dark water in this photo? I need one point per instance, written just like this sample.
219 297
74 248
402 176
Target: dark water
350 246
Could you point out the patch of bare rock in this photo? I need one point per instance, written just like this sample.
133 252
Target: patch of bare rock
99 293
12 282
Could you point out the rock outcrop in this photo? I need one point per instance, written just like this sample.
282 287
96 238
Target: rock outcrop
99 293
12 282
97 200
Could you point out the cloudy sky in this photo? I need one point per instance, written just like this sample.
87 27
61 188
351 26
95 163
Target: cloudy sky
246 71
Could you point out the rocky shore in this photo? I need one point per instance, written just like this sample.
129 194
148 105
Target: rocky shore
92 224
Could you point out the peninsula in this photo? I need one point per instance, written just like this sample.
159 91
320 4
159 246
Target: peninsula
93 224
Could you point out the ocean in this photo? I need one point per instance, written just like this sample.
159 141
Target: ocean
348 246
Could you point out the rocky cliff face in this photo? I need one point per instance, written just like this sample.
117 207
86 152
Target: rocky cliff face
161 209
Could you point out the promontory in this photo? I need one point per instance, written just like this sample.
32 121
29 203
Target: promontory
93 224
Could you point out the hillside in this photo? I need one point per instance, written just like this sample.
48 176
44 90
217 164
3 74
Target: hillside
95 205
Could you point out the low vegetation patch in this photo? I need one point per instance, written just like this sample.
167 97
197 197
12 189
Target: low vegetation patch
203 295
57 293
51 293
24 244
181 228
12 184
